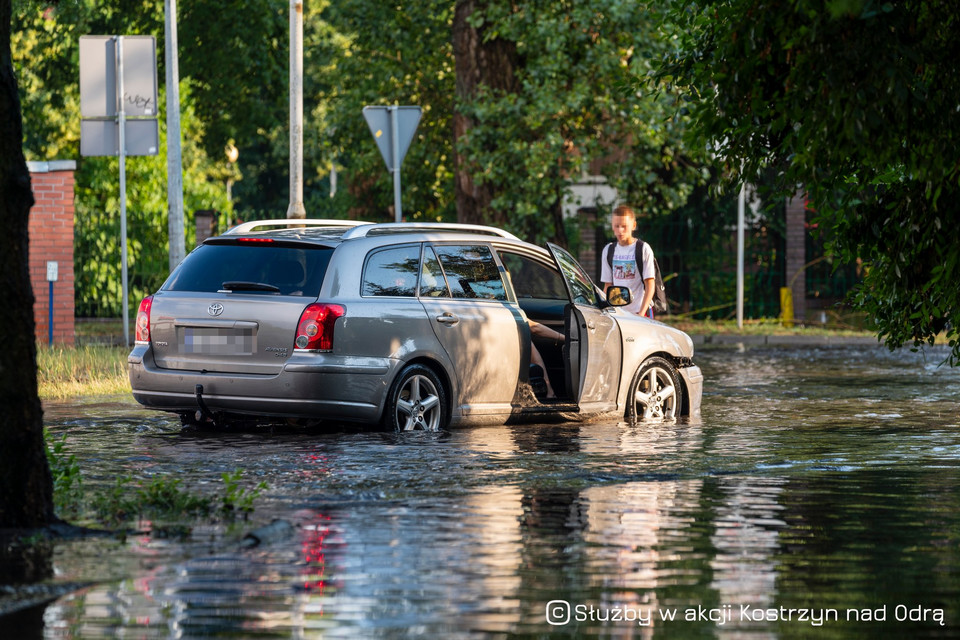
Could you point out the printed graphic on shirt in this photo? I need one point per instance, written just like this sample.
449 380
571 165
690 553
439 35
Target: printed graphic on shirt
624 269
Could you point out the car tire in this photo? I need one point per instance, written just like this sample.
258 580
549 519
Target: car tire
417 401
656 393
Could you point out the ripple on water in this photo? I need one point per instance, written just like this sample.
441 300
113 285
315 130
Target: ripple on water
815 477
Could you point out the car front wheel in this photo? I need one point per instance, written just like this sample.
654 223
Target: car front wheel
417 401
656 393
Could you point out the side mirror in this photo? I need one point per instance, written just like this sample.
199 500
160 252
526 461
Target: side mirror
618 296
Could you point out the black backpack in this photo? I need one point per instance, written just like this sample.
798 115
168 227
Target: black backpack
659 302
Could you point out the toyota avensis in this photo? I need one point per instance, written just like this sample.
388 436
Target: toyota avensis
413 326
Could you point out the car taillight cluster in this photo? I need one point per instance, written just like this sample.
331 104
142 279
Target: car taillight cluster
143 321
315 329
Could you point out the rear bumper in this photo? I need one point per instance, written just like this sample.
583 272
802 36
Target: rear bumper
318 386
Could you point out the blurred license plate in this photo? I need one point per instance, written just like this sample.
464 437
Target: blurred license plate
218 341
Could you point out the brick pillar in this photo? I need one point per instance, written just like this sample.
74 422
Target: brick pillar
797 254
51 240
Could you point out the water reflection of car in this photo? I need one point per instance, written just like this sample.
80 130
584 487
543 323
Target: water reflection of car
413 326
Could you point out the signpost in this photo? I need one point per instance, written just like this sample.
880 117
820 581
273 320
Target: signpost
393 128
52 273
118 78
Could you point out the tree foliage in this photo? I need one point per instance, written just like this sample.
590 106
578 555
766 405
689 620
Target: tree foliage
571 108
368 53
856 101
566 105
46 45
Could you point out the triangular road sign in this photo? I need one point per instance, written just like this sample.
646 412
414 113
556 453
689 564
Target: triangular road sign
380 121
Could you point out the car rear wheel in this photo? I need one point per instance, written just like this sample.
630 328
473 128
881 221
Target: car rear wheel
417 401
656 393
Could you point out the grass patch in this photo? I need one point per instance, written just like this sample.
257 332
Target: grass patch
162 497
762 326
836 326
63 372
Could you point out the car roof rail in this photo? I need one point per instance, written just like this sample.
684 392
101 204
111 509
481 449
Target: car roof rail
247 227
426 227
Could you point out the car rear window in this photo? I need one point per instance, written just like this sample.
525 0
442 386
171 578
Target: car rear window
296 271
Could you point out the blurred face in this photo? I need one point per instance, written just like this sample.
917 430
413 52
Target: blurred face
623 227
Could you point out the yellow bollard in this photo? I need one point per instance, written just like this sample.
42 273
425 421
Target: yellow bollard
786 307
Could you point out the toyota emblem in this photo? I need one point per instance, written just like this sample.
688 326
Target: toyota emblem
215 309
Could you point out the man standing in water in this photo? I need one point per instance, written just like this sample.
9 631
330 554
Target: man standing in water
630 264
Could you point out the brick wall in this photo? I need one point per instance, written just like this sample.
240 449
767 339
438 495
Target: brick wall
51 239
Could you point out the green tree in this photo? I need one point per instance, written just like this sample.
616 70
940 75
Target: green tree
518 100
47 59
97 226
547 92
362 53
856 101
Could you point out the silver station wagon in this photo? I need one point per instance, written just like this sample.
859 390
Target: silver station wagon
410 326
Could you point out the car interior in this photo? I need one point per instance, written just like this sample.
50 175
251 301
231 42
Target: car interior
542 295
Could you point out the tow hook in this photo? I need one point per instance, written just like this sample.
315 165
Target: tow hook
204 411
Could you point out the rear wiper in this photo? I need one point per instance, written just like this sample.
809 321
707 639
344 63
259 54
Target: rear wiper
239 285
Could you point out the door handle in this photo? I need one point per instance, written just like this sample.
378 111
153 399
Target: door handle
591 326
448 319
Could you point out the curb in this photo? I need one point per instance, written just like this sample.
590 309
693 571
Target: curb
732 340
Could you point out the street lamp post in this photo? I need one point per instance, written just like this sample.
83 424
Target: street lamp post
232 154
296 208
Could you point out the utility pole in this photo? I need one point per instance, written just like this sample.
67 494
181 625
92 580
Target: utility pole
296 209
741 205
174 162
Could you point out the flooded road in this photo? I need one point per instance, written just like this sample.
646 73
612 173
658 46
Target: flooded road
819 496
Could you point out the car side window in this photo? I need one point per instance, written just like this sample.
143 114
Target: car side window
532 279
471 272
392 272
432 282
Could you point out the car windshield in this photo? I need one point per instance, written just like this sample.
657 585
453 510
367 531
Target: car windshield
252 268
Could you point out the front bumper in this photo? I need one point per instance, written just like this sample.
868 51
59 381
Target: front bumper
693 381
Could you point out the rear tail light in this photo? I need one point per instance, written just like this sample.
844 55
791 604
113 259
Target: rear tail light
143 321
315 330
254 240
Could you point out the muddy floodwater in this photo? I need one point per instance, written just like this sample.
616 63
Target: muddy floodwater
818 497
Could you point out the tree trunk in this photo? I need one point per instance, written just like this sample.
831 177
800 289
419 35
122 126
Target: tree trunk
26 488
477 63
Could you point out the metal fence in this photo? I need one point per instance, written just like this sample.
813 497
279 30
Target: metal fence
97 269
697 257
697 254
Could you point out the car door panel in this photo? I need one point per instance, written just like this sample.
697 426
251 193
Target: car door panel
480 331
593 351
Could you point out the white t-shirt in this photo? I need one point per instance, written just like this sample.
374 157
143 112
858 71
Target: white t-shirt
625 272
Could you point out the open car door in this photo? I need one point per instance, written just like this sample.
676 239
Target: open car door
593 348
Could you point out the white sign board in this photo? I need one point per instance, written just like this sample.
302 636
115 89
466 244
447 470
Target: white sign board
102 137
98 76
52 268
